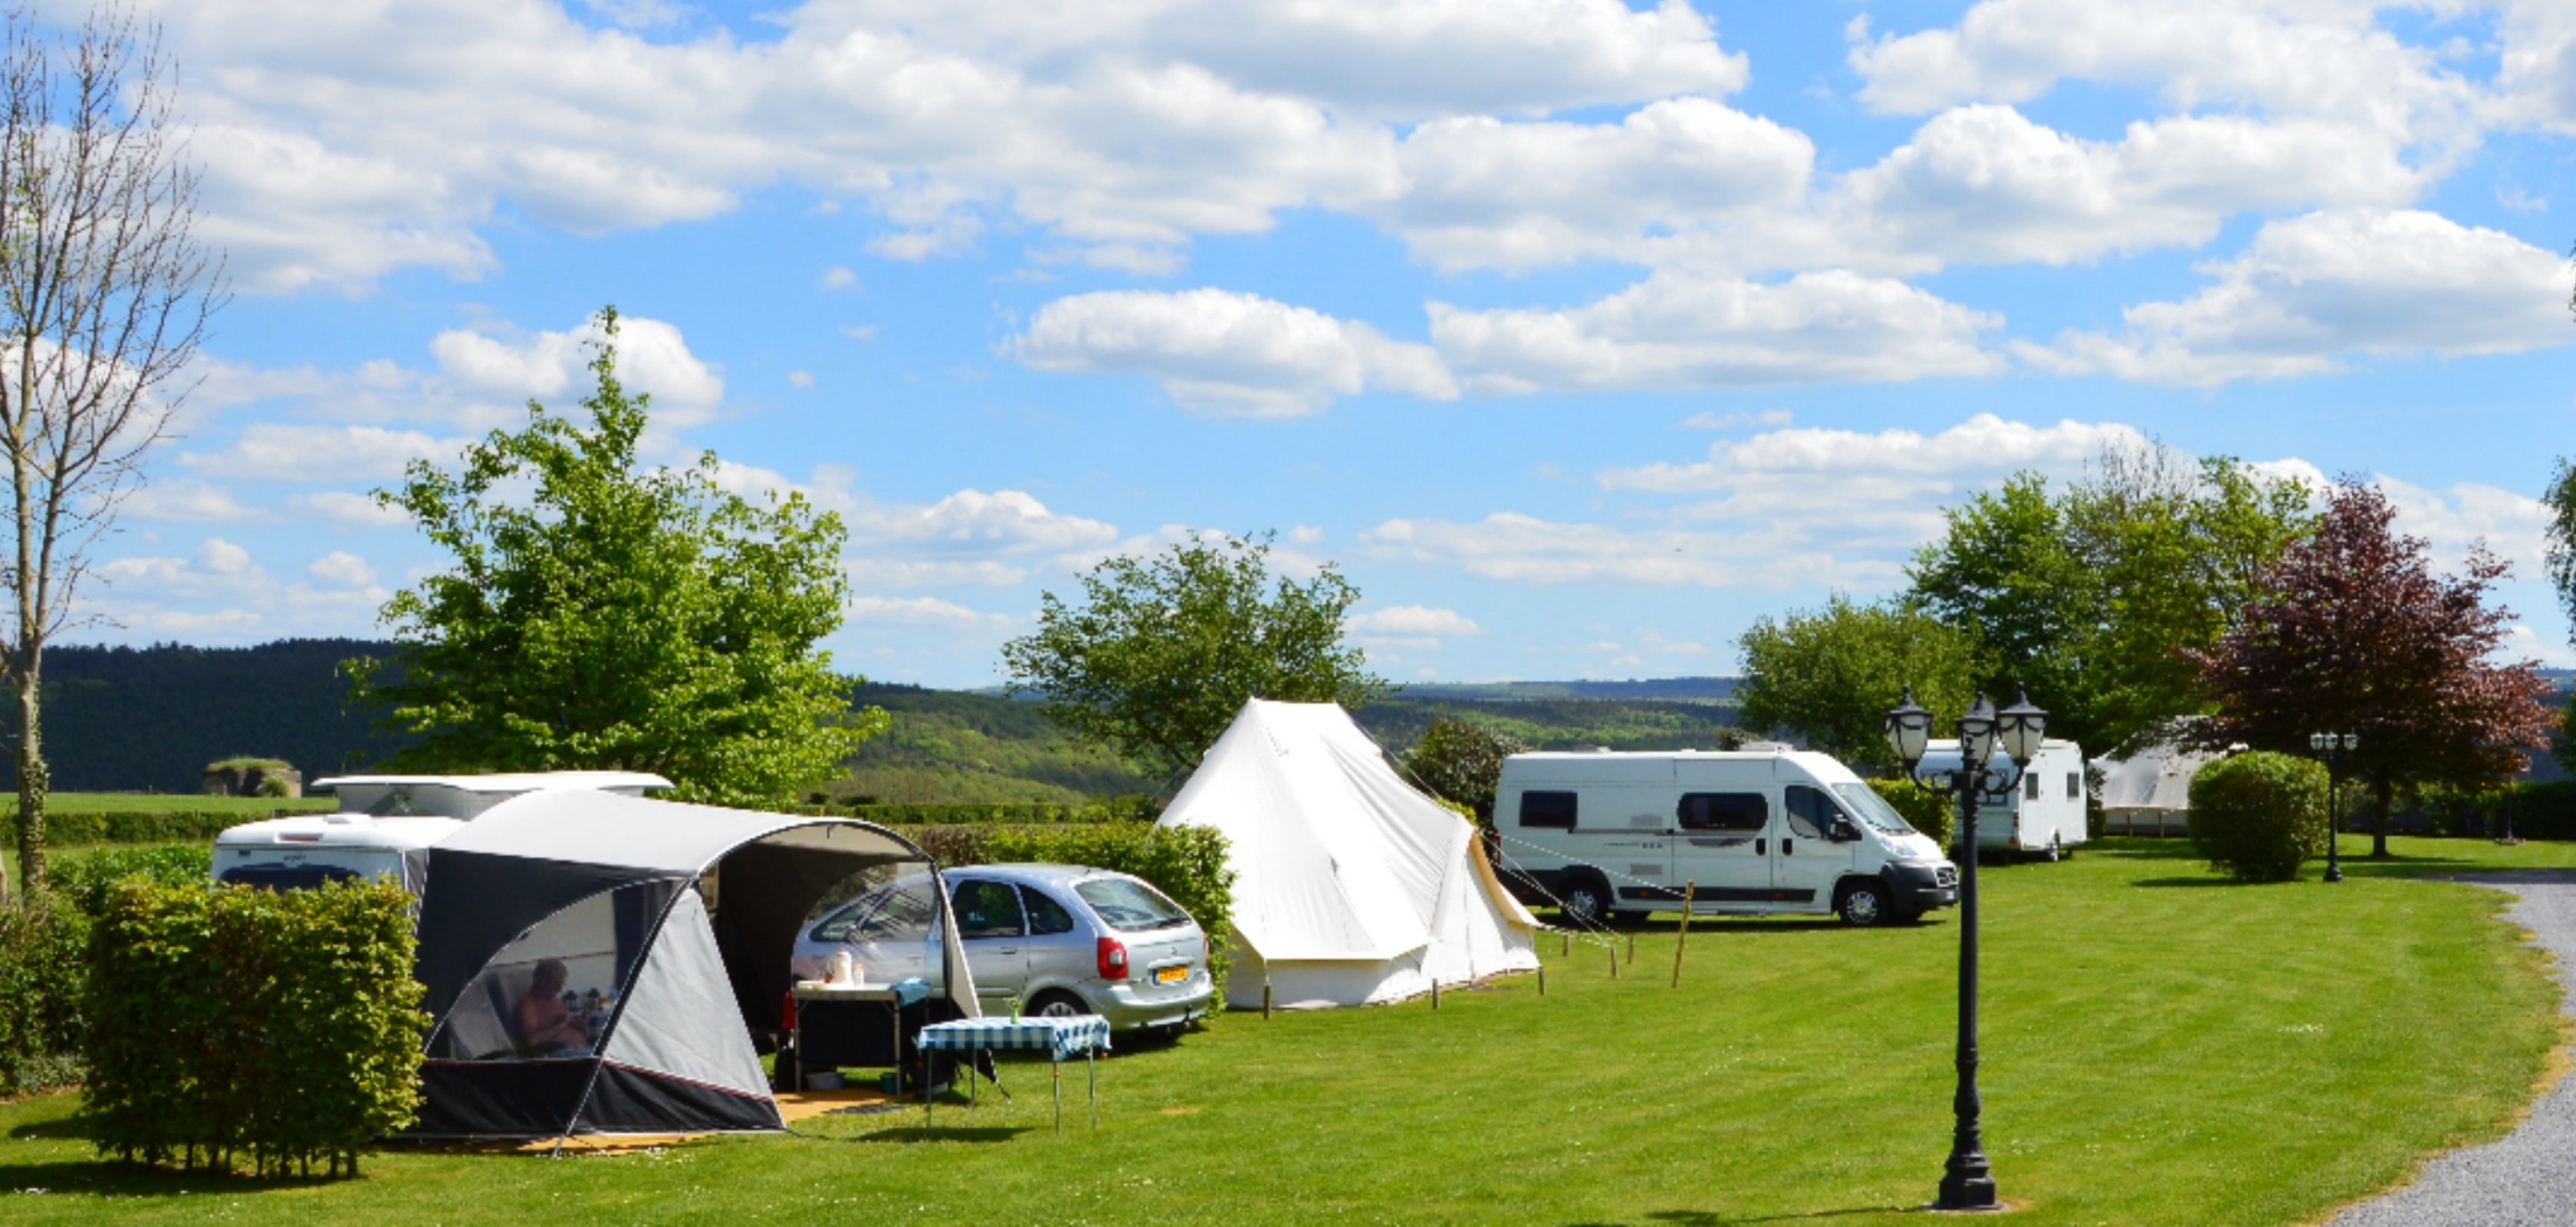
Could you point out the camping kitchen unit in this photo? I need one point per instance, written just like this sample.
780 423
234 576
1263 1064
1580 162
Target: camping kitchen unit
2041 815
1751 832
386 824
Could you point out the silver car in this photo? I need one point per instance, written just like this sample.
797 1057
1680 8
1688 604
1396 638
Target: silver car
1061 938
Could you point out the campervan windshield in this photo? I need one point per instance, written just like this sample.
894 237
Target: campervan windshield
1873 808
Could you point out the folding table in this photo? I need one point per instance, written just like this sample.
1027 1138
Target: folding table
1086 1035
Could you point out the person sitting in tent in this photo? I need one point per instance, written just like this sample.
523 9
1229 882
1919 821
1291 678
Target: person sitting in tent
545 1023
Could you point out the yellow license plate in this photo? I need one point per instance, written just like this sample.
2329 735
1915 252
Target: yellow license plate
1171 975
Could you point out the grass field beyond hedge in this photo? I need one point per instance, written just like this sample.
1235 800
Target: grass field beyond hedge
2161 1047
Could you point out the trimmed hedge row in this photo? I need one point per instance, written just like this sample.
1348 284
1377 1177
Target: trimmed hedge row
1186 863
1015 813
1932 813
133 826
276 1027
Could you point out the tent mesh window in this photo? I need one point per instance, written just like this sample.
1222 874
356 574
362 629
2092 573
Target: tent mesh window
585 956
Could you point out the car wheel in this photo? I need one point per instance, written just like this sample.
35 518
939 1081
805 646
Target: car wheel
1863 903
1584 902
1057 1003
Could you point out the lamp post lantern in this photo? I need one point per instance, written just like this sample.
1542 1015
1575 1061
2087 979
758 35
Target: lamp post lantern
2332 747
1967 1182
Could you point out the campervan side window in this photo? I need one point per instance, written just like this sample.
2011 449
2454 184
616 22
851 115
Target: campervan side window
1548 809
2074 785
1745 812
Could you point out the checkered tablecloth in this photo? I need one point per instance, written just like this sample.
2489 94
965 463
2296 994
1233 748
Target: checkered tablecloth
1058 1037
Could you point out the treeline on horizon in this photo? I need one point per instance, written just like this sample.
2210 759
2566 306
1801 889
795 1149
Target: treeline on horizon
148 719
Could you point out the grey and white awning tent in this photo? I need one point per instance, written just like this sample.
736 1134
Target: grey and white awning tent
1351 887
612 893
2150 791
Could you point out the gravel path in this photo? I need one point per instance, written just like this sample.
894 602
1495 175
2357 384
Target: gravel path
2527 1179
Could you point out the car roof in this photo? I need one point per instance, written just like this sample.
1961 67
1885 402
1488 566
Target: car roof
1053 875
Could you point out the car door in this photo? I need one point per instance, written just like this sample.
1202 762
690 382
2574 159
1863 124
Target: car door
1721 848
1808 860
994 930
1060 953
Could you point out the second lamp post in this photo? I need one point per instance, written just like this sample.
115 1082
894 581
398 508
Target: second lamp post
1967 1183
2332 747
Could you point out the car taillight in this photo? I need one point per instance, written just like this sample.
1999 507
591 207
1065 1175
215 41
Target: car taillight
1113 959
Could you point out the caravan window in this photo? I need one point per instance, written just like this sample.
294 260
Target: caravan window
2030 786
2074 785
1739 812
1548 809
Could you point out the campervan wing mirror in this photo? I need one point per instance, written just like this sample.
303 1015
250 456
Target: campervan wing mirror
1843 831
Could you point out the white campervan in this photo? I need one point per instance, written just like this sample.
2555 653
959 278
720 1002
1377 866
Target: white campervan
385 825
1751 832
2041 816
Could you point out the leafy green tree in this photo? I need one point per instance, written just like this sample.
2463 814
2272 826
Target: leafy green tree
1165 649
1829 675
600 614
2088 595
1462 761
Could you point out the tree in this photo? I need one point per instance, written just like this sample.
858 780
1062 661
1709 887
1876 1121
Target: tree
602 615
1830 675
2355 632
104 297
1462 762
1165 649
2083 596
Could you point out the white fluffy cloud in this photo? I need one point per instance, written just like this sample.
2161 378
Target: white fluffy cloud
220 594
2310 290
1769 527
1008 522
1226 354
342 569
1675 331
1418 628
922 611
187 500
299 451
2288 57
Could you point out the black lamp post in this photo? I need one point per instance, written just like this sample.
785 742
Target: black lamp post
2332 747
1966 1182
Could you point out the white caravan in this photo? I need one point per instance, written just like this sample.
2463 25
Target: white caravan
385 825
1751 832
2042 816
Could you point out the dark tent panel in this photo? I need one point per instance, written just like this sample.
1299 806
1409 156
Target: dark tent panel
601 902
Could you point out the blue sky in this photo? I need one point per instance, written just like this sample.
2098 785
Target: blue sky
1578 334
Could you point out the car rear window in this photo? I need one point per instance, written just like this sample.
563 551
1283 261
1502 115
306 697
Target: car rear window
1130 905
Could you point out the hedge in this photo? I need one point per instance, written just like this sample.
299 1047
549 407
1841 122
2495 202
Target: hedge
1932 813
1012 813
1186 863
2259 816
41 978
276 1027
132 826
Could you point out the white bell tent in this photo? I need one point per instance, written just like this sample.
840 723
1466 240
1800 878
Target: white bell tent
1351 887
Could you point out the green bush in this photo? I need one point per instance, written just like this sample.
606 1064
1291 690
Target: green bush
131 826
1932 813
1014 813
2259 816
88 881
1186 863
232 1024
41 980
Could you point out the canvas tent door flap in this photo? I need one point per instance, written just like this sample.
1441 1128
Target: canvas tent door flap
580 982
1351 887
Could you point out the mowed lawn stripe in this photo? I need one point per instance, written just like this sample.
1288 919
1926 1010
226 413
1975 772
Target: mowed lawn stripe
2160 1048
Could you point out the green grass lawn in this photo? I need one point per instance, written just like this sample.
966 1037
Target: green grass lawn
2160 1048
172 802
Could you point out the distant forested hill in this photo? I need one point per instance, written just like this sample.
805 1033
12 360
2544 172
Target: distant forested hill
150 719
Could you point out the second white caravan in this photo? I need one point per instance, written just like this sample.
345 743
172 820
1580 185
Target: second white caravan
1748 832
2041 815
